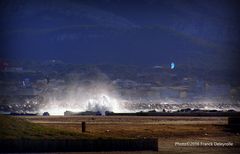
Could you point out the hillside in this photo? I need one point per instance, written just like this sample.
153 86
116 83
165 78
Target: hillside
17 128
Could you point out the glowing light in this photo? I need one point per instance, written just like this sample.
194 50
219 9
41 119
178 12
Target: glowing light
172 65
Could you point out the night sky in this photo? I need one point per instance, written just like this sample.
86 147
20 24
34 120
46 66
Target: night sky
201 33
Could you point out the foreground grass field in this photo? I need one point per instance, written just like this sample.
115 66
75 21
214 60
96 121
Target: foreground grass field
138 126
19 128
168 130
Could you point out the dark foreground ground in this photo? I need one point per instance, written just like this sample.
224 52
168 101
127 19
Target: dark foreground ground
199 134
175 134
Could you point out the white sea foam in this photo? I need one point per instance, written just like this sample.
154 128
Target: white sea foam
95 97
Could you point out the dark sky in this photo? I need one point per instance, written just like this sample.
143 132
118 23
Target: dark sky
202 33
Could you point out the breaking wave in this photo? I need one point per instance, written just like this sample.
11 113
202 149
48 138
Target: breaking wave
94 97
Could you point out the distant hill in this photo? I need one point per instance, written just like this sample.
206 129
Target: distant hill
199 33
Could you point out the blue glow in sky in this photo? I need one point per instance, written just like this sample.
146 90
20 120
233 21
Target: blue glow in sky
172 65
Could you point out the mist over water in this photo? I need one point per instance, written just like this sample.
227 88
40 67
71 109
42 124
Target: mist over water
102 96
93 90
95 96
